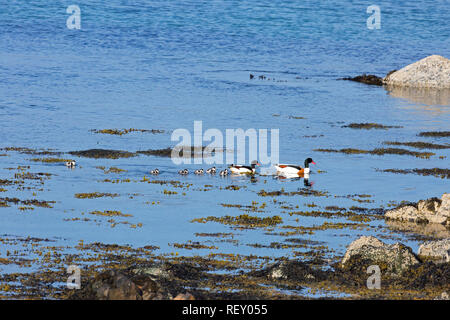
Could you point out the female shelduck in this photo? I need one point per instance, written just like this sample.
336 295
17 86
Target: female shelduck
71 164
155 172
245 169
211 170
198 171
290 169
223 173
183 172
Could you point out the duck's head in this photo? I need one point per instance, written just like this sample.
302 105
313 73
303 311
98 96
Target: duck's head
308 161
255 163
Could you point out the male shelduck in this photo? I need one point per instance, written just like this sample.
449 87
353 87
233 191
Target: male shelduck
245 169
211 170
155 172
183 172
198 171
291 169
71 164
223 173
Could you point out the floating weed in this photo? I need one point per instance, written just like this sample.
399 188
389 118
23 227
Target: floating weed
418 145
110 213
368 126
93 195
193 245
435 134
124 131
243 220
436 172
302 192
50 160
380 152
103 154
111 169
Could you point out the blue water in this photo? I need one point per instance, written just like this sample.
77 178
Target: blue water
164 64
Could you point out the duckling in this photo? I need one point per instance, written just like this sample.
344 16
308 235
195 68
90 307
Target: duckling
198 171
71 164
155 172
223 173
183 172
211 170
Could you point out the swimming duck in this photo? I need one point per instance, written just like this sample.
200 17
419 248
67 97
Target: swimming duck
223 173
290 169
198 171
245 169
71 164
183 172
155 172
211 170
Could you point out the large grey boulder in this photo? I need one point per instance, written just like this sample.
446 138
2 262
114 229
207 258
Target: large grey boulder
396 258
432 210
436 250
430 72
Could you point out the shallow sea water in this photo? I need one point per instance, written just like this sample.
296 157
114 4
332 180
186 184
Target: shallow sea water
165 64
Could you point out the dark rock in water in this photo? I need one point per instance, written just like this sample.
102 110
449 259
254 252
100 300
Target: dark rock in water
103 153
118 285
251 76
367 79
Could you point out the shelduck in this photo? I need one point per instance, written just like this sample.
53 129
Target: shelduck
198 171
183 172
223 173
155 172
71 164
245 169
291 169
211 170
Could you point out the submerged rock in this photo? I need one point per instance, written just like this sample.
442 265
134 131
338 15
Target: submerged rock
430 72
395 258
438 251
432 210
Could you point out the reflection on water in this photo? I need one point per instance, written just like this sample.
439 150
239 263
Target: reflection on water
428 96
287 176
430 229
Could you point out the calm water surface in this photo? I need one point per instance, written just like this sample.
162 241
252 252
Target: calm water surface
164 64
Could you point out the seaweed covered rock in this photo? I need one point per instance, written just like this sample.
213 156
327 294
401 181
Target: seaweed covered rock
432 210
117 285
395 258
367 79
430 72
438 251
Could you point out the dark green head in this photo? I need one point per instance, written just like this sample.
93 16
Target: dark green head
308 161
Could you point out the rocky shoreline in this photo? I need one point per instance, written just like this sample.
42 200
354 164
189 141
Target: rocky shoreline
403 273
432 72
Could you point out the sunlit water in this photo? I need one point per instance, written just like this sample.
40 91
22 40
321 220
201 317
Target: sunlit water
164 64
